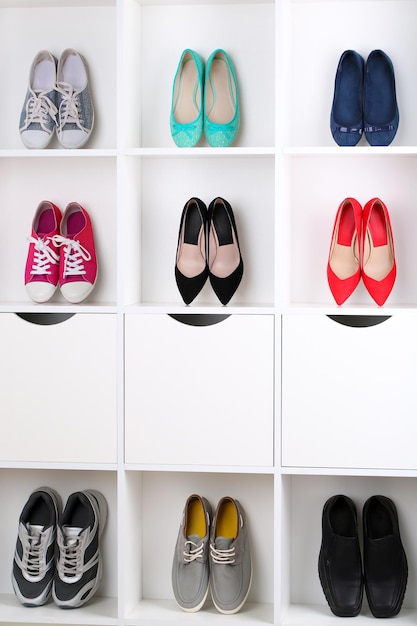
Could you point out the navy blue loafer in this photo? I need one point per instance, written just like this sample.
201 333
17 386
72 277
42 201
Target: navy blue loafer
346 121
380 109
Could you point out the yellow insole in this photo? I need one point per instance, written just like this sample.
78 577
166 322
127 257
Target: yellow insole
196 520
227 521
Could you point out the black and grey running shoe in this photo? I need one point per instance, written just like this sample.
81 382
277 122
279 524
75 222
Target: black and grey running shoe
79 564
34 557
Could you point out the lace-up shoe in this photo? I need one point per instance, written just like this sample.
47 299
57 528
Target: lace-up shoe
230 559
75 106
78 262
42 263
190 568
33 564
79 564
38 116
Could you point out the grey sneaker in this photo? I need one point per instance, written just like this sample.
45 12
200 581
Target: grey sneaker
190 567
34 557
230 559
38 116
75 106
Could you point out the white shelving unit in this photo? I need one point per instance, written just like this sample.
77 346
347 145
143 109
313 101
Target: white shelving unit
265 397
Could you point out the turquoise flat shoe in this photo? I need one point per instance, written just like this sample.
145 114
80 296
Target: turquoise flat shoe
187 100
221 101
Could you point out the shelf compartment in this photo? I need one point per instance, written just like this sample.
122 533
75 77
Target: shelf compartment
199 395
243 29
58 389
316 185
304 496
155 192
346 393
59 26
25 182
155 503
15 488
313 27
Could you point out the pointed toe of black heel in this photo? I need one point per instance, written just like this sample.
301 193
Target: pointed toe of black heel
224 288
189 288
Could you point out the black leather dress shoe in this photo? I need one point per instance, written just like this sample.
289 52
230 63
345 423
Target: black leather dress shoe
385 562
340 565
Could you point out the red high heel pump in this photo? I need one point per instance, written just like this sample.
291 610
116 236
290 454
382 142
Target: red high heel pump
343 267
379 266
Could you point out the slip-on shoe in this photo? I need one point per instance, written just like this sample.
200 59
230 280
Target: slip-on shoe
385 561
340 565
186 120
221 101
380 108
346 121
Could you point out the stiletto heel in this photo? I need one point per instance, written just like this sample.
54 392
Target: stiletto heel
191 265
379 265
224 257
343 267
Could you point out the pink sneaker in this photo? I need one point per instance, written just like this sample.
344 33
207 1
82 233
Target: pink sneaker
78 263
42 263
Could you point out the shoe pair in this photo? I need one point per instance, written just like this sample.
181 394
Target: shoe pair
57 97
208 246
362 245
212 553
61 251
58 554
206 100
340 565
364 100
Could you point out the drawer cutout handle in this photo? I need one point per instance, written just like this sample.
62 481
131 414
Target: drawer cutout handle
198 319
45 319
359 321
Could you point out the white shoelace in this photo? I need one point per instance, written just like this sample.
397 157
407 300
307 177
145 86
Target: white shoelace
194 553
72 543
222 556
33 543
69 109
74 256
38 108
33 548
44 256
71 556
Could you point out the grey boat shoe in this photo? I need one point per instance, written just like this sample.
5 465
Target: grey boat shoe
190 567
230 558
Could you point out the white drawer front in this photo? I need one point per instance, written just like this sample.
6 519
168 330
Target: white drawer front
199 395
348 394
58 389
